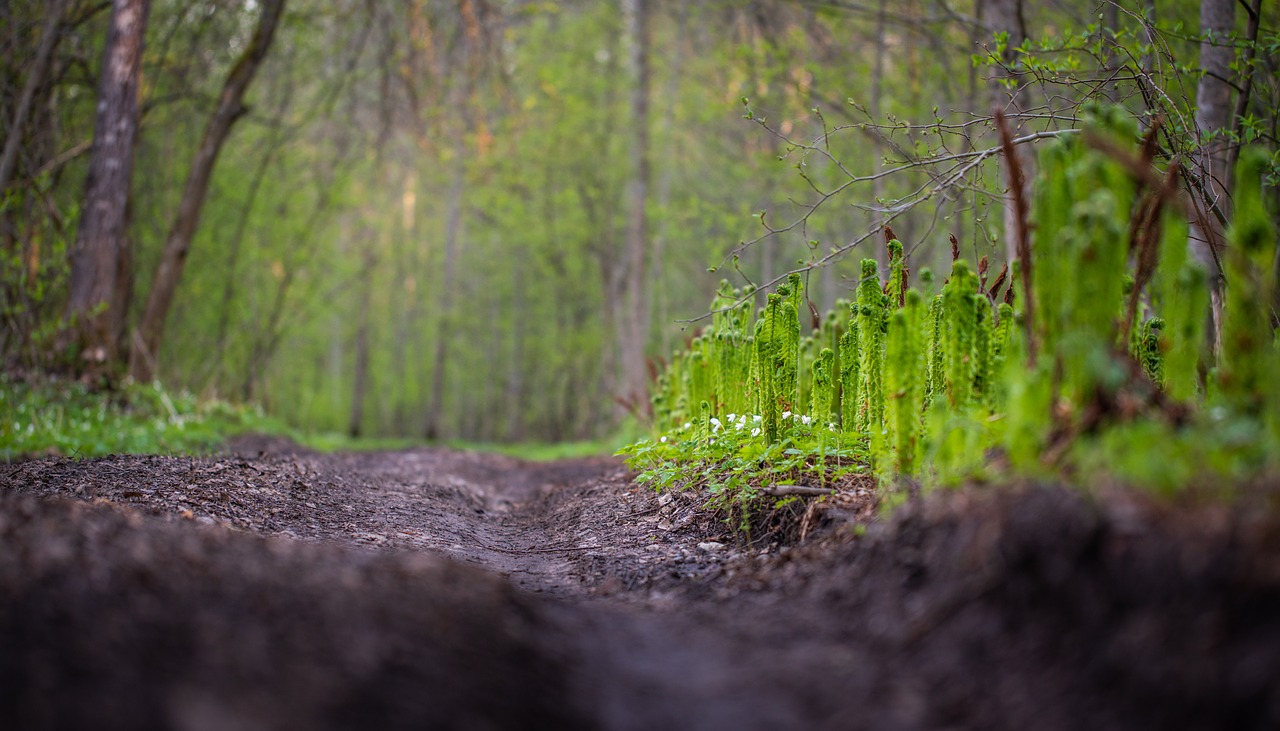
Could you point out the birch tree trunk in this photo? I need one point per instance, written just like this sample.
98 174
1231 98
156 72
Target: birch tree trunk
100 257
1213 121
149 334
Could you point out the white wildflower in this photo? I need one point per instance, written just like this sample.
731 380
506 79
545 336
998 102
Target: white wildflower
786 414
755 432
757 418
805 419
732 417
686 425
663 439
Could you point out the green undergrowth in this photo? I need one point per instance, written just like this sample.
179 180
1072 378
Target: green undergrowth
1095 365
58 417
46 416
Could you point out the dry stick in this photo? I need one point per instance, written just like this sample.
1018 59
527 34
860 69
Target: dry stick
1022 235
1000 280
1147 243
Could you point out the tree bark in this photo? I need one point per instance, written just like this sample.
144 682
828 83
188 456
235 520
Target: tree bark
100 257
1213 121
1006 16
1213 96
360 377
452 232
150 332
634 324
39 69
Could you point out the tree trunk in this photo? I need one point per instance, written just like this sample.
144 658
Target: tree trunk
634 323
360 377
150 332
1005 16
39 69
514 400
1213 121
875 107
1213 96
444 313
100 257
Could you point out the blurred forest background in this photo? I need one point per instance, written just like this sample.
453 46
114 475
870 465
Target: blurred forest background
485 219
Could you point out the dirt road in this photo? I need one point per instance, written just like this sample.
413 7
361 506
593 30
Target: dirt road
272 588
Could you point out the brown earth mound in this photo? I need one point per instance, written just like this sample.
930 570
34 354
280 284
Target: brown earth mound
442 589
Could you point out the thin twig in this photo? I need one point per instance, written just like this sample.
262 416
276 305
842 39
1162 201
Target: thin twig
1022 236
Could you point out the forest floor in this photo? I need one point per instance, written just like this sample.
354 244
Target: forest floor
273 588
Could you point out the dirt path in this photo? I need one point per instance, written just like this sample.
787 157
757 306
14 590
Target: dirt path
273 588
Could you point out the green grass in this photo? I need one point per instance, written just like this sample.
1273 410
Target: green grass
59 417
48 417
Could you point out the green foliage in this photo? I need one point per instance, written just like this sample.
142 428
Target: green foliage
823 396
1246 367
905 372
60 417
871 327
931 394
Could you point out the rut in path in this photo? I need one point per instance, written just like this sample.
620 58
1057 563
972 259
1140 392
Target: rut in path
442 589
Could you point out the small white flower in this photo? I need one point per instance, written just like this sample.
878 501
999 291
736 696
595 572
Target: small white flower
786 414
686 425
755 432
732 417
715 421
739 425
663 439
805 419
757 418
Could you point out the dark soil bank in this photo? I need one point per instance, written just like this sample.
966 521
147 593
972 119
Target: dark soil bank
438 589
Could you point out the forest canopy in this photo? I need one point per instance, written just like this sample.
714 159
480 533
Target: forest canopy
495 219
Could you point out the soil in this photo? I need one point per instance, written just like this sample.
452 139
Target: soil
273 588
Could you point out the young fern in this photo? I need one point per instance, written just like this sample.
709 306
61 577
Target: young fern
904 382
1250 265
850 362
871 324
961 324
823 392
